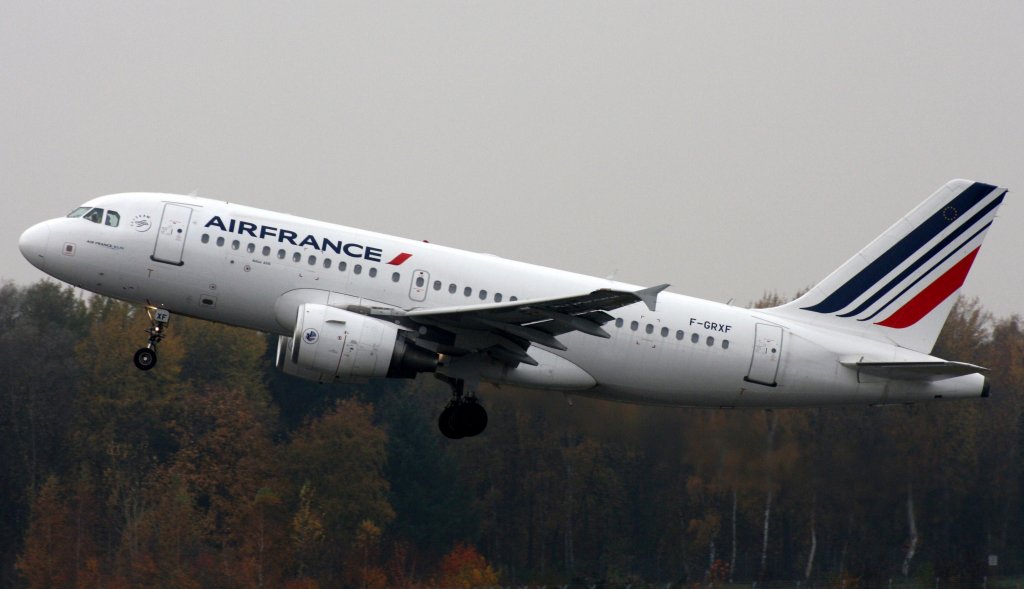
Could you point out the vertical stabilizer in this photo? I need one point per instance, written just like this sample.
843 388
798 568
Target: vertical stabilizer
902 286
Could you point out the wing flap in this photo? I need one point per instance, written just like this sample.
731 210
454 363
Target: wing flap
533 321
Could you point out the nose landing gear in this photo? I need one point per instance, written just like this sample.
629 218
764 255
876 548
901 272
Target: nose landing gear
145 358
463 416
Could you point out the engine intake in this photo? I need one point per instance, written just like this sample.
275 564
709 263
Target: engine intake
331 344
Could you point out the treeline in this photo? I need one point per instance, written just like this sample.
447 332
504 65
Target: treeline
214 470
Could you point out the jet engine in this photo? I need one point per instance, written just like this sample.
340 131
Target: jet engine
331 344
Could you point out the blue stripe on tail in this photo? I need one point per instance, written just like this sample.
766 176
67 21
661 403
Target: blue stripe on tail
903 249
928 256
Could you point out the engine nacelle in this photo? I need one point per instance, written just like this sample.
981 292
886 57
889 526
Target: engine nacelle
331 344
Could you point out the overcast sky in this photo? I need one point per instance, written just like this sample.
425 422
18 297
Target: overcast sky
726 148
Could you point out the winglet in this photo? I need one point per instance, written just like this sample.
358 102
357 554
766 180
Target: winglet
649 295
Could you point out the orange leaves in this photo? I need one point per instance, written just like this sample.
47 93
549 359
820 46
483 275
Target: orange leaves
47 559
465 568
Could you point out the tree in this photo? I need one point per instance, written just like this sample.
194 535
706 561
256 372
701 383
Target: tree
307 531
465 568
433 506
39 326
47 560
340 458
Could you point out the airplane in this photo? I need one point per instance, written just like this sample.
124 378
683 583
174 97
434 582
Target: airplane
348 305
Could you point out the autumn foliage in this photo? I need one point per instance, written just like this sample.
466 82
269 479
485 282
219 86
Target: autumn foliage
215 470
465 568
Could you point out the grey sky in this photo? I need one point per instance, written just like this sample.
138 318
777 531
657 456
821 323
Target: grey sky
726 148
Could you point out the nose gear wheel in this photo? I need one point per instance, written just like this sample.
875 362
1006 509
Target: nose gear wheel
145 358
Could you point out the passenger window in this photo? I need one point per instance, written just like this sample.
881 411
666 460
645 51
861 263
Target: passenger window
266 250
664 332
497 297
205 238
281 254
342 266
695 338
679 334
650 328
95 215
357 269
395 277
513 298
711 341
296 257
452 288
483 295
725 344
419 281
220 241
467 291
250 248
113 219
619 322
373 272
235 244
312 260
327 262
437 285
634 325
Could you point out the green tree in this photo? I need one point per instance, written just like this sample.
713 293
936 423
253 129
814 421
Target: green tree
340 459
47 560
39 326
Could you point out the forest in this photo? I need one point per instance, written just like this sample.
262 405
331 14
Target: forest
215 470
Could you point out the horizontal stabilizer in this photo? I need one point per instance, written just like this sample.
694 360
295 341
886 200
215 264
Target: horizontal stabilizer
939 370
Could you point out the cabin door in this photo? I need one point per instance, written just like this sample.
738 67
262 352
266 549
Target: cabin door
170 239
764 364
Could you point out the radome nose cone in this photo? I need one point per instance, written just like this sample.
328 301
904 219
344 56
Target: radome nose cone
33 242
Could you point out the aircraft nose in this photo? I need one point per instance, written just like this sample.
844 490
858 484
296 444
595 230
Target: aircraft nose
33 242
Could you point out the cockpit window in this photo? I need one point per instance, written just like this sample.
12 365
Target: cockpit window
78 212
94 215
113 218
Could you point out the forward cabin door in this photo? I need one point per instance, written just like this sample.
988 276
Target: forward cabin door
418 288
170 240
764 364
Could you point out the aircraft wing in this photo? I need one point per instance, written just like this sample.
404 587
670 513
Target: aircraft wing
506 330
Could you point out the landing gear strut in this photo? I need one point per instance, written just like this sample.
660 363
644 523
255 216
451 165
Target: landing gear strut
145 358
463 417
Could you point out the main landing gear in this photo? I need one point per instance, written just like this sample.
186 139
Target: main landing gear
463 417
145 358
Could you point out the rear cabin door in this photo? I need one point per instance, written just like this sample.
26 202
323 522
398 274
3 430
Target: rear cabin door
764 364
170 240
418 288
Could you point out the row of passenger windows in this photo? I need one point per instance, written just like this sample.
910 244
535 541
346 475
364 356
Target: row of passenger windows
356 268
437 285
649 329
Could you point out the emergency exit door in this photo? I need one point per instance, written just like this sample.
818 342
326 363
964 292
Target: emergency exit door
764 364
418 288
170 239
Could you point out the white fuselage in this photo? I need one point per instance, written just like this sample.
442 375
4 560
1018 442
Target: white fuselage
249 267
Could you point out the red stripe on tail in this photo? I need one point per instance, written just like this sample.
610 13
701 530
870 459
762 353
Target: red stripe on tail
930 297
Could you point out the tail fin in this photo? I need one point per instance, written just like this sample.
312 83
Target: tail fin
901 286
